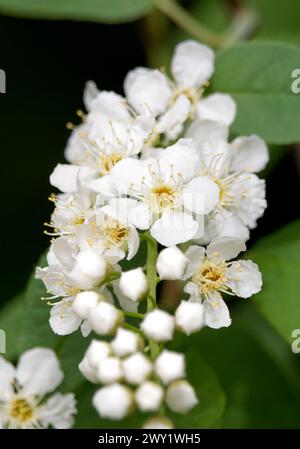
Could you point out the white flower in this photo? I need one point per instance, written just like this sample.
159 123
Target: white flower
167 193
231 167
109 133
133 284
113 401
109 232
171 263
150 91
158 422
190 317
170 366
218 107
136 368
125 342
105 318
110 370
181 396
149 396
158 325
23 388
211 275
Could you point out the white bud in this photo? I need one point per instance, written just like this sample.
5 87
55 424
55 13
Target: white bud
91 263
83 302
136 368
125 342
81 280
189 317
133 284
181 396
158 325
158 422
149 396
105 318
171 263
113 401
88 371
170 366
97 352
110 370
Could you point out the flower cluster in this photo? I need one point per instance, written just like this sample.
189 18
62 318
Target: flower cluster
22 392
155 165
130 379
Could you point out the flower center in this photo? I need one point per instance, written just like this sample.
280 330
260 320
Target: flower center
108 161
115 233
163 196
21 410
211 277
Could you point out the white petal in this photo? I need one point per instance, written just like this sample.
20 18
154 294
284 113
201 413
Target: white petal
128 173
201 195
133 242
7 375
180 158
216 313
249 154
173 228
140 216
58 411
206 132
85 328
227 224
218 107
63 250
125 303
63 320
64 177
244 278
192 63
38 371
174 116
147 90
225 248
192 290
195 255
89 94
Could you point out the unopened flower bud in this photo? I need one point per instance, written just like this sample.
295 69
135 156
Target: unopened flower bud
149 396
189 317
83 302
170 366
105 318
171 263
97 352
158 422
92 264
113 401
133 284
126 342
109 370
181 396
158 325
88 371
136 368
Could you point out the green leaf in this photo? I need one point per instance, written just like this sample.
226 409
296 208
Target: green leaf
259 392
278 257
258 75
107 11
10 321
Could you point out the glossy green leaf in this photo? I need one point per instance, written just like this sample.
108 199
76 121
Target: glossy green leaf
278 257
259 76
107 11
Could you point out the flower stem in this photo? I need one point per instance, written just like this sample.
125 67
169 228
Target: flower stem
139 316
152 281
187 22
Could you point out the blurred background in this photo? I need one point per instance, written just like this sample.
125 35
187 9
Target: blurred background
47 63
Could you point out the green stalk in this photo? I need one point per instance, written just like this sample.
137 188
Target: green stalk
152 281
